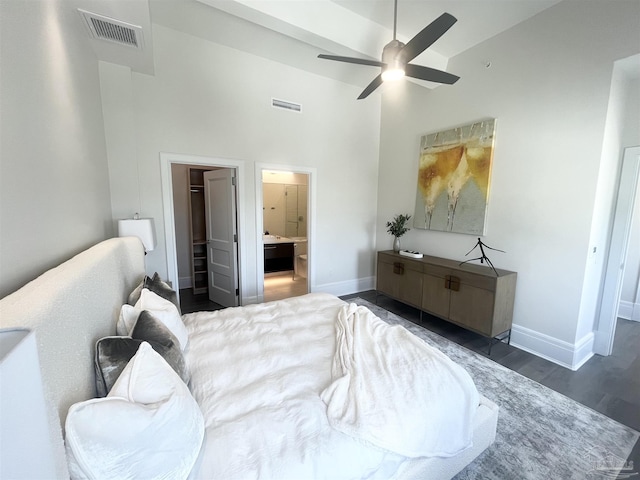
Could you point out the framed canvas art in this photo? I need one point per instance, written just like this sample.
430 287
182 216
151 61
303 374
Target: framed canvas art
454 173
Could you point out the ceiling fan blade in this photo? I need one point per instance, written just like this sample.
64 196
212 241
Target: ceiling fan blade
430 74
427 36
371 87
359 61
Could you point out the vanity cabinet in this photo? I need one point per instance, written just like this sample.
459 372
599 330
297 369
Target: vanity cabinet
278 257
469 295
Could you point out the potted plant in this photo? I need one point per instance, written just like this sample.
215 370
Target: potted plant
398 227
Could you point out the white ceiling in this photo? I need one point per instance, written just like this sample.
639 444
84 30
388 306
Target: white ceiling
478 20
363 27
357 28
630 67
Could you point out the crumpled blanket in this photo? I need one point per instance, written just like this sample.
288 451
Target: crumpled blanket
392 390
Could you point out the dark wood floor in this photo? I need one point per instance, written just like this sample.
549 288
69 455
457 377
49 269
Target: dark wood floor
190 303
609 385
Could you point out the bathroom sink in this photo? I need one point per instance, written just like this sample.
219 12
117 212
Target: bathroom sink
271 239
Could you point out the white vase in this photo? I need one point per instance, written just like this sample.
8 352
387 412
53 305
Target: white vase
396 244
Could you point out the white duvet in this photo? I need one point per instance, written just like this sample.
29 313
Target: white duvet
258 374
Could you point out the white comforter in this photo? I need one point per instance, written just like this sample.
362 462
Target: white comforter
258 373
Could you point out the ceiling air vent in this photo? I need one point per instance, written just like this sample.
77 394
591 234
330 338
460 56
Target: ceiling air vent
293 107
111 30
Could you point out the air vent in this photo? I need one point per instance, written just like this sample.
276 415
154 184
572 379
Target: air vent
111 30
293 107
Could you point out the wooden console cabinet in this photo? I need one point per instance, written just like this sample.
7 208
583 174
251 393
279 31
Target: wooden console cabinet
469 295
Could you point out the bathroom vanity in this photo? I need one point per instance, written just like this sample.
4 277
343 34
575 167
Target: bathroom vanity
278 253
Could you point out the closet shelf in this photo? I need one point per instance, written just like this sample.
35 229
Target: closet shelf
199 276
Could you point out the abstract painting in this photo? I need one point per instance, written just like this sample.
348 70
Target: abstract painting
454 172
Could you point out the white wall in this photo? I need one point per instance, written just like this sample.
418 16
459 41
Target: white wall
286 178
120 136
548 87
54 183
631 128
211 100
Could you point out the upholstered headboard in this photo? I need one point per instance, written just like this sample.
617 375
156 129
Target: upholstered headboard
70 307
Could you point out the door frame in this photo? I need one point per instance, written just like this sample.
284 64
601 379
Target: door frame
168 159
619 241
311 222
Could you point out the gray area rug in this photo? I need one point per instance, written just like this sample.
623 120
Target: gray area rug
541 433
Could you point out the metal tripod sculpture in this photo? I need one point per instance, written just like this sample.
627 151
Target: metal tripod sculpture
484 255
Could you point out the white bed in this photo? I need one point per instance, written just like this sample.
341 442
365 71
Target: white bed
254 384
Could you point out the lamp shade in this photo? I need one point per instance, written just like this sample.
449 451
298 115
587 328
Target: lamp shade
26 450
143 228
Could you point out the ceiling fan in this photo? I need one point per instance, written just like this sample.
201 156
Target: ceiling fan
396 55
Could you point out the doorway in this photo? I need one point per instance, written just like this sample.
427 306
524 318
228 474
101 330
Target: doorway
623 215
196 268
285 219
204 209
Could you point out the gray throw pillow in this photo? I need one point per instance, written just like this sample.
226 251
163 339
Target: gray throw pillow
157 286
113 353
163 289
135 295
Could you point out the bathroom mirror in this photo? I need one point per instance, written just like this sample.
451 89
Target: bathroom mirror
285 209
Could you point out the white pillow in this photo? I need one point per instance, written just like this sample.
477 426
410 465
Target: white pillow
149 426
160 308
127 320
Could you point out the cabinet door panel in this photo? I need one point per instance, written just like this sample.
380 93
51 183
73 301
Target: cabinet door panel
411 287
472 307
385 281
435 297
278 257
403 284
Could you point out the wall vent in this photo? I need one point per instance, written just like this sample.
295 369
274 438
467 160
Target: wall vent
111 30
293 107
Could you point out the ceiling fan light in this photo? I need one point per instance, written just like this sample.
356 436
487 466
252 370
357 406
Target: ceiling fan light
394 66
392 74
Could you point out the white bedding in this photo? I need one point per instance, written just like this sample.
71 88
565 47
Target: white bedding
265 418
393 390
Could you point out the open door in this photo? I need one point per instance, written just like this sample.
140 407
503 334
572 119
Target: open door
222 236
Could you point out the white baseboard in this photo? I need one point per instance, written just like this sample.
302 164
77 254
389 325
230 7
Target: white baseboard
629 311
566 354
249 300
348 287
185 282
601 343
583 350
